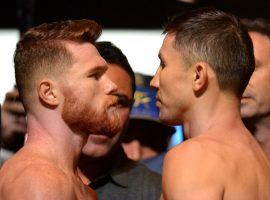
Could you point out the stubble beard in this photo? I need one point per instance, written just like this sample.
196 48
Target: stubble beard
84 118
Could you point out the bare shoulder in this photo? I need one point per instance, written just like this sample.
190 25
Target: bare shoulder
37 181
191 169
194 150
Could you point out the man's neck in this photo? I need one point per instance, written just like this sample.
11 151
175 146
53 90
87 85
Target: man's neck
92 168
55 142
211 114
260 128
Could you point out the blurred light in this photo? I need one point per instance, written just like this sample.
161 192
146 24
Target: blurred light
140 46
8 40
188 1
177 137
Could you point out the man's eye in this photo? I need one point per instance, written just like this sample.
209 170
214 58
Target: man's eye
96 75
162 65
123 103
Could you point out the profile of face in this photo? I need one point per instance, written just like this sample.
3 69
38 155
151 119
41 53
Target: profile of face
255 101
100 144
89 105
172 83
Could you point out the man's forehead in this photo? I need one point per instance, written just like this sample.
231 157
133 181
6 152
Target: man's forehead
168 47
261 44
168 43
81 48
169 39
259 38
86 53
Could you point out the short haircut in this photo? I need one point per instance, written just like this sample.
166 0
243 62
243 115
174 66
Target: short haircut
258 25
42 51
114 55
219 39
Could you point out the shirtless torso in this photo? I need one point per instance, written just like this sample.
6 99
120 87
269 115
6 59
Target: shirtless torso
30 174
217 165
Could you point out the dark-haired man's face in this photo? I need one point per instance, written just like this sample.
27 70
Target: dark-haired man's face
256 98
172 82
89 102
99 144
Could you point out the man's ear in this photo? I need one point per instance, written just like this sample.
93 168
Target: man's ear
48 93
200 78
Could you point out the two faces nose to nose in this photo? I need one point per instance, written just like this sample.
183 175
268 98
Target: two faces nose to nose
111 87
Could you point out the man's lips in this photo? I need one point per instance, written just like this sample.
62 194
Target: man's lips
99 139
245 98
247 95
103 135
157 97
158 104
158 101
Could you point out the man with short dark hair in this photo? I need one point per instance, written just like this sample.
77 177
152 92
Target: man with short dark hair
66 95
255 102
206 60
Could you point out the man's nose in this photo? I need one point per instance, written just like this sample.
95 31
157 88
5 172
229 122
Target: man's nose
110 86
155 80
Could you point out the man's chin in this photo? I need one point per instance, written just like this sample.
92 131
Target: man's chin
167 119
94 150
99 139
169 122
247 113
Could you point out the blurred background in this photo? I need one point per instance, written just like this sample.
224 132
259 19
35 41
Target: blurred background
133 26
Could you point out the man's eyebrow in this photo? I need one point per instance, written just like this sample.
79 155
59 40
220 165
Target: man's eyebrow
98 68
162 62
160 56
